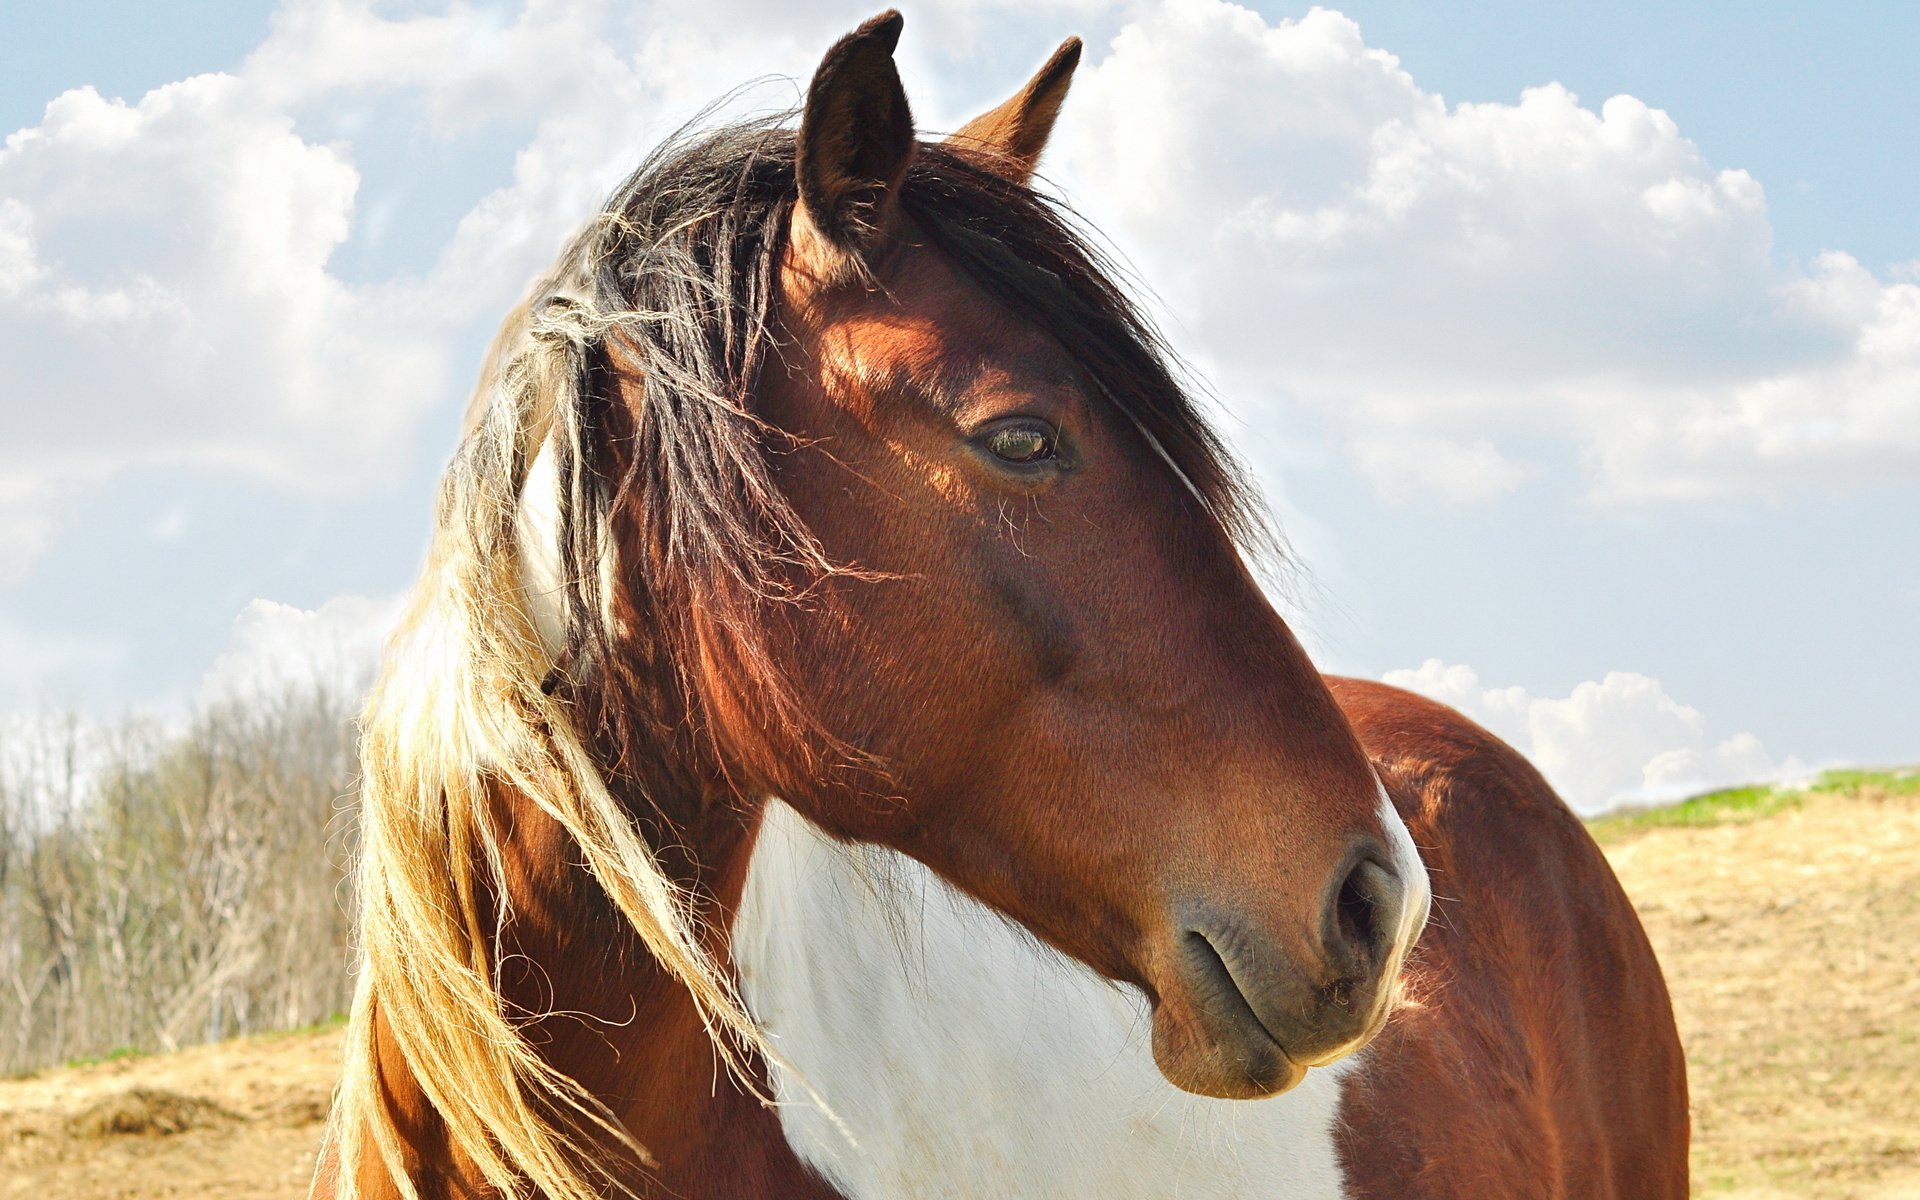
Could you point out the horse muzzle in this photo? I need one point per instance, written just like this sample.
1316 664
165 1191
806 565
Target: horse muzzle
1243 1013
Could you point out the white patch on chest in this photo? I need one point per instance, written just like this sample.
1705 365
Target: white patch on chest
968 1060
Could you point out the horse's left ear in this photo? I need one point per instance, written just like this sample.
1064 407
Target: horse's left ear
1011 137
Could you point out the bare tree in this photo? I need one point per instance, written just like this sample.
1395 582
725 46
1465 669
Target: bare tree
159 889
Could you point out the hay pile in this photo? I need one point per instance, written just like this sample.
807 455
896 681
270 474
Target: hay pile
149 1112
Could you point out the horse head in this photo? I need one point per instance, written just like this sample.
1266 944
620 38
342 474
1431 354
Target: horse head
1009 630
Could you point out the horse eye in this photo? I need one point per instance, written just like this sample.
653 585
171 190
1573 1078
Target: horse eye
1021 444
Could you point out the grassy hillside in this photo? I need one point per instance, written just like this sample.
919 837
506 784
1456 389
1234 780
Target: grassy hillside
1741 804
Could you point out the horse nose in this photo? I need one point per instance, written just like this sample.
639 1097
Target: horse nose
1361 918
1316 997
1320 1014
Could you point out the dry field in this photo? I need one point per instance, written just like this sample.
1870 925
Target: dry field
1790 931
1791 941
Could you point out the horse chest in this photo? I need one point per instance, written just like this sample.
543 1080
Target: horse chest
967 1060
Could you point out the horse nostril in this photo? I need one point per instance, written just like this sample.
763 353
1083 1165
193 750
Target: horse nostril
1354 912
1366 911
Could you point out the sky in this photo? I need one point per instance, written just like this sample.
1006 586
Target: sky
1577 347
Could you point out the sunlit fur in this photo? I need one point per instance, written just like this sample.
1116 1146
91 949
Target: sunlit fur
656 668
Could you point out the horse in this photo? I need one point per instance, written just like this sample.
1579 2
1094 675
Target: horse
839 747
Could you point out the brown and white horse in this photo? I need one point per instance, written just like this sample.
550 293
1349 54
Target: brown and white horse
838 749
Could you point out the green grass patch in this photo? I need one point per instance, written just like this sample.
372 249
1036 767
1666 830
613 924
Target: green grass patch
1742 804
1903 781
117 1055
1715 808
327 1025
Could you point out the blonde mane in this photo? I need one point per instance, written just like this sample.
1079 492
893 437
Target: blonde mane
460 709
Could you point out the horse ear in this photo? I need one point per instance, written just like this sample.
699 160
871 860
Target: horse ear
856 139
1011 137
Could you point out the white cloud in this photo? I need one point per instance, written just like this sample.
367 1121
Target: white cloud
275 646
1425 276
1619 740
270 647
1409 467
168 296
164 301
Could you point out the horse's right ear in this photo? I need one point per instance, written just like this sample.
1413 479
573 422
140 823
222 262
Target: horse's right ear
856 139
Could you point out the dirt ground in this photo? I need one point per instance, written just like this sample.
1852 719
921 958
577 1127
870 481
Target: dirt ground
1792 947
1792 944
254 1139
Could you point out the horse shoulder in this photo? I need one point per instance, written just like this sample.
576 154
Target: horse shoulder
1534 1052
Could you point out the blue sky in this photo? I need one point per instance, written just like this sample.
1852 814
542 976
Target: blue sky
1570 396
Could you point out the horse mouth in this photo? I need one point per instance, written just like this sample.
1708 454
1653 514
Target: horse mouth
1207 1038
1244 1011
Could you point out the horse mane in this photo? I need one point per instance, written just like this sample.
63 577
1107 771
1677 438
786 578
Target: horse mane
613 705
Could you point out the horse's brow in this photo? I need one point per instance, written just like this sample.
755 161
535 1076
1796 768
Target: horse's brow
939 380
1021 352
946 376
956 384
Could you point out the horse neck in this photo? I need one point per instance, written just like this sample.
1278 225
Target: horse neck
617 1021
